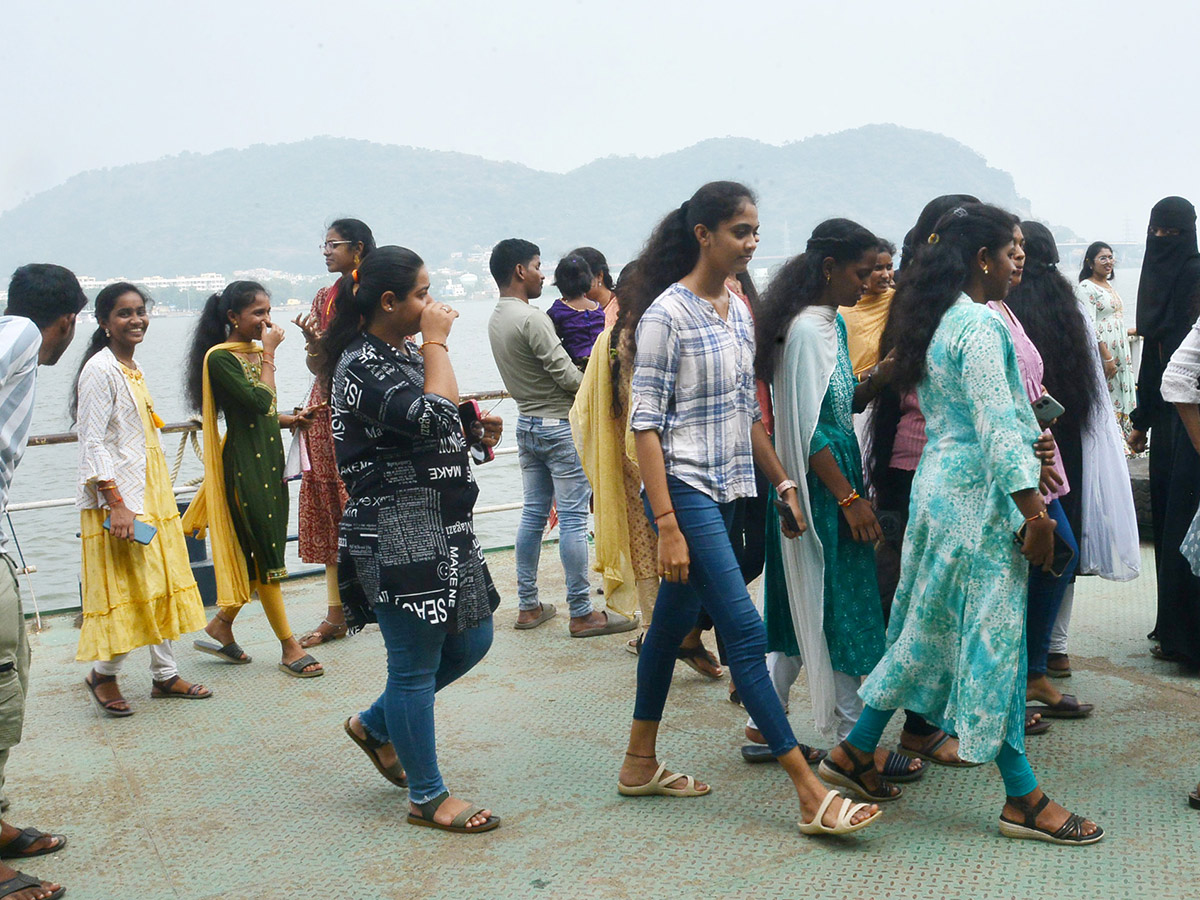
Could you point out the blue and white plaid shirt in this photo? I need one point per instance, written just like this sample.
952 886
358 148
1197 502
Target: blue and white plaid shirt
693 383
20 341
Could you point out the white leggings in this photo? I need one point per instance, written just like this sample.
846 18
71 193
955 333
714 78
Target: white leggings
162 662
1058 634
784 670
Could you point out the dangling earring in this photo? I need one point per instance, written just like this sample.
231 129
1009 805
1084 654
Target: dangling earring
828 278
357 260
106 333
985 269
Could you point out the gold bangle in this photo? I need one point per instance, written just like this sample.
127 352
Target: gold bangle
435 343
1040 515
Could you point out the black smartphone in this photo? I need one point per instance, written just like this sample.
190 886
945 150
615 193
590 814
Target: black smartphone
1063 554
786 516
472 416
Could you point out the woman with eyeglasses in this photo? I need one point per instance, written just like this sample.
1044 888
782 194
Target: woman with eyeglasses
322 494
1108 317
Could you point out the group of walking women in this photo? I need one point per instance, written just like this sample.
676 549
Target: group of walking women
718 391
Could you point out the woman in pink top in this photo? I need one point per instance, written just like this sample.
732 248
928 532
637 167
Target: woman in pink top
1046 589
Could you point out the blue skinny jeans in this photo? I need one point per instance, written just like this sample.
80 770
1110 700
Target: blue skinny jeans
714 583
1046 596
421 660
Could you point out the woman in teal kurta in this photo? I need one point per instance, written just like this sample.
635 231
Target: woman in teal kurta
827 611
956 640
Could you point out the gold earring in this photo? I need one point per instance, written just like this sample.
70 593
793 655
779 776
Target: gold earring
828 278
985 269
357 259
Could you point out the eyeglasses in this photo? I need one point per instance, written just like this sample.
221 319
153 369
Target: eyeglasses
1105 258
329 245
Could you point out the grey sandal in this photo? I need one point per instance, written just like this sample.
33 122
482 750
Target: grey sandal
296 667
458 825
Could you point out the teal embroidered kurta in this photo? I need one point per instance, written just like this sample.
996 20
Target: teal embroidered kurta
956 640
853 624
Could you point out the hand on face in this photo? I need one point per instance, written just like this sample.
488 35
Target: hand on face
272 336
437 320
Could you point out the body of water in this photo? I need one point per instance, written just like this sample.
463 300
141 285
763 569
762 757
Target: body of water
48 537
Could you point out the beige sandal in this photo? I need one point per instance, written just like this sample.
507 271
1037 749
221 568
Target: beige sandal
655 787
844 824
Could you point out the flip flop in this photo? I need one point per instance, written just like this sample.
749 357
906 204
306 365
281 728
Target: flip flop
394 773
613 624
546 612
692 656
929 750
896 768
1066 708
1032 727
760 753
1071 831
850 780
845 814
21 882
655 788
459 823
18 847
106 706
296 668
230 653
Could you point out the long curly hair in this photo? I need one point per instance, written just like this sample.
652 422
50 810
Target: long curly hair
1047 308
799 283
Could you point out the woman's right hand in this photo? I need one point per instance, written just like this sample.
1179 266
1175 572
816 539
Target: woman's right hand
1038 546
1137 441
436 321
308 324
120 522
272 337
861 519
1110 367
673 558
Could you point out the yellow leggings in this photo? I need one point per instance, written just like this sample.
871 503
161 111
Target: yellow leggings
271 597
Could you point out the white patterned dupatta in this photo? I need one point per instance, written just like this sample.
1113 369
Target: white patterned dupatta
801 380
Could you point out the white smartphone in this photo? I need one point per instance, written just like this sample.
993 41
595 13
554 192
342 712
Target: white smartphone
1047 409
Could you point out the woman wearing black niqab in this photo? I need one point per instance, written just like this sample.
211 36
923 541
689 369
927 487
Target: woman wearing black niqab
1167 305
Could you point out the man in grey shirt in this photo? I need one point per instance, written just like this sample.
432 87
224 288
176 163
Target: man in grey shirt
540 376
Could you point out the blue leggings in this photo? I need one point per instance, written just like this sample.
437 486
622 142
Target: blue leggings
1014 767
1046 595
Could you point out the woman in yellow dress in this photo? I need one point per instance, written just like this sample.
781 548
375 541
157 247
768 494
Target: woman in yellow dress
136 593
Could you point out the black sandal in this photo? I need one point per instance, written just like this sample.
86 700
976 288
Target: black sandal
459 823
1071 831
761 753
18 847
393 773
693 656
162 689
23 882
851 780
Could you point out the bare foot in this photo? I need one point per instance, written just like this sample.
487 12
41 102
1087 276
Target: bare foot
386 754
1052 818
450 808
636 771
292 651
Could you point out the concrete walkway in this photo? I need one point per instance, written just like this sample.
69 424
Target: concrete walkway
258 793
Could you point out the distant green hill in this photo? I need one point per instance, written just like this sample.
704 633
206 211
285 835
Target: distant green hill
266 206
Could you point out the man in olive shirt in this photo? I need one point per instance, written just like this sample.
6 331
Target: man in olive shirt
540 376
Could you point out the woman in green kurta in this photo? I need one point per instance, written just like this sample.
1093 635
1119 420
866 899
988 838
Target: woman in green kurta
831 598
956 642
243 500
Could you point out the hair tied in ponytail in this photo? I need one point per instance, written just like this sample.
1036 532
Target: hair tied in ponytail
354 275
934 238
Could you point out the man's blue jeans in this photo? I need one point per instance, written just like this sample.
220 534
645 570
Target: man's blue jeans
421 660
551 471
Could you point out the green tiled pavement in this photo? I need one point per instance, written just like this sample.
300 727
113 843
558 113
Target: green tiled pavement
258 793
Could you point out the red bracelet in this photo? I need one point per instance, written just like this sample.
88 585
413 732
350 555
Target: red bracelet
669 512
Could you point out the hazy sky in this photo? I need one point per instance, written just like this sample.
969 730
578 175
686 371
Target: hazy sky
1091 106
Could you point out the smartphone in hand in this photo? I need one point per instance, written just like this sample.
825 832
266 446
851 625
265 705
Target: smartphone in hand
786 515
1047 409
472 422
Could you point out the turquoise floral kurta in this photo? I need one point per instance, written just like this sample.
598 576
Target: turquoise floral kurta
956 641
853 613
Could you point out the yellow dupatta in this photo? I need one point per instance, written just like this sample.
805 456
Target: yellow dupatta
209 509
600 441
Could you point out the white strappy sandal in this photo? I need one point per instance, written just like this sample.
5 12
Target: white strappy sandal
655 787
844 825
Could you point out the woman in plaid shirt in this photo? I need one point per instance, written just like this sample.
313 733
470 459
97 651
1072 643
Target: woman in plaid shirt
698 432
